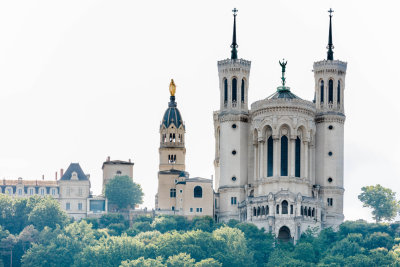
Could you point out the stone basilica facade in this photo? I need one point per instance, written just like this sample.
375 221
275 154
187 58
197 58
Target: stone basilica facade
278 162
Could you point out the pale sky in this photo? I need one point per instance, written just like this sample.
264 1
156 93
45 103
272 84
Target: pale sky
83 80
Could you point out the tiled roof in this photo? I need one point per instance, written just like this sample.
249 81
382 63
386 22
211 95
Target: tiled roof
28 182
74 167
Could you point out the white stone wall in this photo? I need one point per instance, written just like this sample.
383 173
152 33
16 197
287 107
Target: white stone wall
75 193
231 125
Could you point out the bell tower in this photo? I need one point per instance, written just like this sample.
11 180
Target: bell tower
330 83
172 153
231 125
172 136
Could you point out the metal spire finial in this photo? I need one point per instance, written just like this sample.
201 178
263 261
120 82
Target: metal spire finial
234 44
330 43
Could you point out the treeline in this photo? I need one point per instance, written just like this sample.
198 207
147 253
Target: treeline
36 232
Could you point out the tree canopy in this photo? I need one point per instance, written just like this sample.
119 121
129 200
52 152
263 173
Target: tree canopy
382 201
123 192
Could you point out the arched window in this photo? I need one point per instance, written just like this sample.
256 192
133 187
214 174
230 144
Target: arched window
291 209
309 211
305 211
330 95
284 156
267 210
322 91
225 90
242 91
262 210
297 159
277 209
198 192
258 211
313 212
254 212
338 92
270 151
284 207
301 210
234 90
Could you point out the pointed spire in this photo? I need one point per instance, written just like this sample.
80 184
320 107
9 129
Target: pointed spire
234 44
330 43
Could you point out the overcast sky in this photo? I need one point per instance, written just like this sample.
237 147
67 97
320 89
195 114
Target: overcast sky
83 80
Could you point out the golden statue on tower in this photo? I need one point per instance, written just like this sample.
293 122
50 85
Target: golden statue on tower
172 87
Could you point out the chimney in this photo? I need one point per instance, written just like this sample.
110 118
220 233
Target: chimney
56 176
129 160
43 177
61 173
108 158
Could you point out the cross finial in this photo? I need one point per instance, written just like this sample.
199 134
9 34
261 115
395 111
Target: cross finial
330 12
235 11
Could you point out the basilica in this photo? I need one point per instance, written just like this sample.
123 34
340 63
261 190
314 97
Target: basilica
278 161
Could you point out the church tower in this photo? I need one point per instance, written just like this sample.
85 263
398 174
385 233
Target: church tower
330 83
231 125
172 153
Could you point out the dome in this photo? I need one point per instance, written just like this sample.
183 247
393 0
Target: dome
283 92
172 115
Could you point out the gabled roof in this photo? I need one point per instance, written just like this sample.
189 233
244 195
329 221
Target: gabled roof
74 167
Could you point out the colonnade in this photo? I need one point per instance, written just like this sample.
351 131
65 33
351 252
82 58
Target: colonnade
263 166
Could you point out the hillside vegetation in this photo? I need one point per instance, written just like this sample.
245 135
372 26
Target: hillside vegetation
36 232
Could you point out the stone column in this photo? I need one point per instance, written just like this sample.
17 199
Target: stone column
255 161
292 154
311 163
305 159
276 157
261 158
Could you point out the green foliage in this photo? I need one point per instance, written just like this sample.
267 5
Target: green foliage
204 223
232 248
210 262
138 227
259 242
379 240
47 213
346 248
52 240
116 228
382 201
142 262
123 192
94 221
110 251
110 218
304 252
168 223
58 247
180 260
